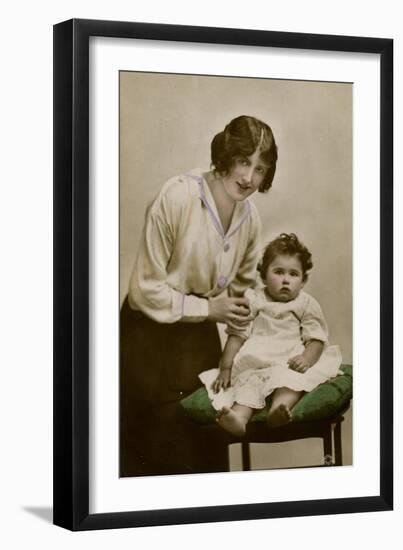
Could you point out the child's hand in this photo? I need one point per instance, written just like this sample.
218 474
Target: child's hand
223 380
298 363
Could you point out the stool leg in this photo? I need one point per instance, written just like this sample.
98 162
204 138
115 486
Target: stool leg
245 457
328 447
337 444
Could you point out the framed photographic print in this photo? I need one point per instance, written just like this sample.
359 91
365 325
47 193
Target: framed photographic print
223 274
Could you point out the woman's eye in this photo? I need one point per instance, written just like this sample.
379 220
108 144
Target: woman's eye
294 274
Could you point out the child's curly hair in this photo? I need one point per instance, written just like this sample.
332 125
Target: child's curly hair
289 244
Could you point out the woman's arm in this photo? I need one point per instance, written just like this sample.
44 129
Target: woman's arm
231 348
247 272
149 289
246 276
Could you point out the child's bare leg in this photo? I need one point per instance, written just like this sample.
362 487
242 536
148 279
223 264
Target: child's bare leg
283 401
234 420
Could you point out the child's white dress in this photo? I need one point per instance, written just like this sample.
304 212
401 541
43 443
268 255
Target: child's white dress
277 333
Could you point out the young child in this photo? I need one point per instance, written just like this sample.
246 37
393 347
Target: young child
283 352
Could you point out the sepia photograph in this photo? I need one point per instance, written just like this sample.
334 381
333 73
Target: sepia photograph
236 246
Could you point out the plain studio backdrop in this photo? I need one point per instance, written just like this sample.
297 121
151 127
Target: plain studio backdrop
26 277
167 122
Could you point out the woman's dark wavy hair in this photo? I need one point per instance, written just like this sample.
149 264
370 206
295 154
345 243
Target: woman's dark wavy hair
288 244
240 138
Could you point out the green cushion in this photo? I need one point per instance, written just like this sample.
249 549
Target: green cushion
323 402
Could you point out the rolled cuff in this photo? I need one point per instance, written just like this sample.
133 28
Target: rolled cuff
242 333
194 309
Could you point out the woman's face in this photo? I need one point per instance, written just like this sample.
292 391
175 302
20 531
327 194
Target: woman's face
245 176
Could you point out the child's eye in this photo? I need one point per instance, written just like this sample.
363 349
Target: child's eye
243 161
261 170
294 274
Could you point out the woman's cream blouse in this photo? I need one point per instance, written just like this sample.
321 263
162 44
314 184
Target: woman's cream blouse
184 256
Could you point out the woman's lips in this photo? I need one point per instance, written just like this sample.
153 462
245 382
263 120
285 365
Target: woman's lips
242 187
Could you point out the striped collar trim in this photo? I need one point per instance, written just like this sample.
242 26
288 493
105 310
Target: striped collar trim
212 211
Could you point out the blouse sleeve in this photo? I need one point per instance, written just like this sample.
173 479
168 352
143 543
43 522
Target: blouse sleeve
313 324
247 272
149 288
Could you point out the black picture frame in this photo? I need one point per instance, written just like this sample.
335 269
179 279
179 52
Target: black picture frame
71 273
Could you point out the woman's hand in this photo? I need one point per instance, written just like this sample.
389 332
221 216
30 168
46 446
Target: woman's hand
234 312
223 380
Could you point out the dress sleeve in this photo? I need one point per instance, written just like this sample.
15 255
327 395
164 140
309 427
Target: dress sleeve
313 324
149 288
254 305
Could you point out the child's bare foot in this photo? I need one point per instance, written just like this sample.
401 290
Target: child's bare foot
232 422
279 416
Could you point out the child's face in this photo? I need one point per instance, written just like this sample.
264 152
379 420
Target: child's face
284 278
245 176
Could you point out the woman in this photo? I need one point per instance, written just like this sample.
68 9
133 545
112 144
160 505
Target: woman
198 254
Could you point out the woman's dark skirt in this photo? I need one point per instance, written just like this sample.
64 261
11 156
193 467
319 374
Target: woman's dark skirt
159 366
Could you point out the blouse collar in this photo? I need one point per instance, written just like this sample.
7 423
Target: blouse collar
240 215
